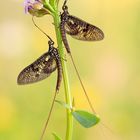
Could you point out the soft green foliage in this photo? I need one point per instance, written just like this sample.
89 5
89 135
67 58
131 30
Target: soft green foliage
63 104
85 119
56 137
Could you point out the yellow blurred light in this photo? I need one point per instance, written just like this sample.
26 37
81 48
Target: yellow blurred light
111 70
80 98
6 112
12 38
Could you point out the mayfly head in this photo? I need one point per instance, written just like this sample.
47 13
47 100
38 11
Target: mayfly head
51 46
64 15
51 43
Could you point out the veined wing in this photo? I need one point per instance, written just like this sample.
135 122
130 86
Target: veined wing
82 30
38 70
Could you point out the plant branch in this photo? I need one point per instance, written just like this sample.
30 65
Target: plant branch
69 129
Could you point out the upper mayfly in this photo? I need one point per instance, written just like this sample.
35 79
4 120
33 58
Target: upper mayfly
80 30
77 28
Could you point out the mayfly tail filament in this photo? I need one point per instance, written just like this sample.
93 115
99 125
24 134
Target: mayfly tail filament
46 124
90 104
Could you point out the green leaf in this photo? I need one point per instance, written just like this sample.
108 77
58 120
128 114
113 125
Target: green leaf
85 119
56 137
63 104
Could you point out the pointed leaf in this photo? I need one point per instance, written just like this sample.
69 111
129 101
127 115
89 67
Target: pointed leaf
56 137
63 104
85 119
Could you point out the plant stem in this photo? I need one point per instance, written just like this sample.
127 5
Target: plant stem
68 97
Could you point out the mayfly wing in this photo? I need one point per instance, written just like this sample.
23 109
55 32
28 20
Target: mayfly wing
82 30
38 70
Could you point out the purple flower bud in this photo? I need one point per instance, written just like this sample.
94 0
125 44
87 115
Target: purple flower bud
27 5
35 8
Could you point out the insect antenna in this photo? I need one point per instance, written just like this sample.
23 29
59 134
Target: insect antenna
64 5
41 29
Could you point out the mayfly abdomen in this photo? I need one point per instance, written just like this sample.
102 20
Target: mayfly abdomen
64 39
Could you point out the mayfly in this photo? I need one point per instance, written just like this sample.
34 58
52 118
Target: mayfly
41 69
77 28
80 30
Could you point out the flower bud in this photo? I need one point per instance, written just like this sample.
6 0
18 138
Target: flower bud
35 8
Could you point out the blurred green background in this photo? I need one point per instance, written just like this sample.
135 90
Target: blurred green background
110 70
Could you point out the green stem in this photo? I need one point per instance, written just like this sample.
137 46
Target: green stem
68 97
49 7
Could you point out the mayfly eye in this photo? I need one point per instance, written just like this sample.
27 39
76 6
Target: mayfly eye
46 59
65 7
51 42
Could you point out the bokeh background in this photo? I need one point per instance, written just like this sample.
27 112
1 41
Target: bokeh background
110 70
